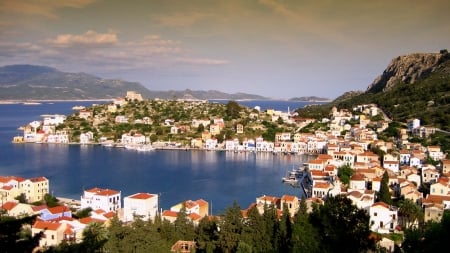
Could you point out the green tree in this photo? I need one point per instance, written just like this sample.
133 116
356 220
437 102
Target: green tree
285 231
232 110
183 226
384 195
344 173
50 200
230 229
338 221
410 212
207 235
94 238
13 237
305 237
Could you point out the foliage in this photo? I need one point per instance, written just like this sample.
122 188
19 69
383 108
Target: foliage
12 236
344 173
431 239
411 213
22 198
51 200
338 221
82 213
384 195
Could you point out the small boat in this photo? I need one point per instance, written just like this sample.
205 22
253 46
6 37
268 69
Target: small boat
145 148
291 179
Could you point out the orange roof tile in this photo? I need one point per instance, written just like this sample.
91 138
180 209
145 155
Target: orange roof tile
88 220
9 205
169 213
46 225
141 196
381 204
58 209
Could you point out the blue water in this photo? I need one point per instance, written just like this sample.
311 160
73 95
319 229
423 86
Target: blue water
218 177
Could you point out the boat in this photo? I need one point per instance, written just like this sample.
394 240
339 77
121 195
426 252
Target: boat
145 148
78 107
290 179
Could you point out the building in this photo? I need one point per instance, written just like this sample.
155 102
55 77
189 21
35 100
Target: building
383 218
53 232
143 205
98 198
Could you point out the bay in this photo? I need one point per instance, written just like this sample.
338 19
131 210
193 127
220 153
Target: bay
217 177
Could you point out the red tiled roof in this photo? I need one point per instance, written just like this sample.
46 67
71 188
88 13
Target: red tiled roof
38 179
58 209
88 220
103 192
169 213
141 196
9 205
7 187
46 225
39 208
289 198
381 204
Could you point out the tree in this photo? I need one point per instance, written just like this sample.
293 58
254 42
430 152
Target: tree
207 235
410 212
344 173
183 226
50 200
305 237
339 221
285 231
232 110
94 237
230 229
13 237
384 195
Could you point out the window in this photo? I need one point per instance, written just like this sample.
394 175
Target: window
375 214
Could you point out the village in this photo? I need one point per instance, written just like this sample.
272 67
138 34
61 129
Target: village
348 139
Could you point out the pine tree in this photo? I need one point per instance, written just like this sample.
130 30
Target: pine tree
230 229
384 195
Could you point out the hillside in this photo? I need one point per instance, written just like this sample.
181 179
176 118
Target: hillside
412 86
30 82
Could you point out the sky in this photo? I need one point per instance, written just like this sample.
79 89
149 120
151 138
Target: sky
273 48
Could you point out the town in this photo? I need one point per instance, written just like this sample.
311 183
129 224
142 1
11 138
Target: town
353 158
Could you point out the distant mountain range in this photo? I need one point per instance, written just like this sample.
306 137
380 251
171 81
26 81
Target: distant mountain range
30 82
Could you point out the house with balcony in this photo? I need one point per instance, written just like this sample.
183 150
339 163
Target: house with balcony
98 198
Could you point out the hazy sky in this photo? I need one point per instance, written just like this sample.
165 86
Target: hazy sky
274 48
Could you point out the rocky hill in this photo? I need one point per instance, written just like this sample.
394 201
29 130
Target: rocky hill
408 69
30 82
412 86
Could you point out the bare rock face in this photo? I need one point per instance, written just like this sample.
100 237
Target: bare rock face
407 69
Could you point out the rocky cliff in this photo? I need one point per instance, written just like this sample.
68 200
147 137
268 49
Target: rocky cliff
407 69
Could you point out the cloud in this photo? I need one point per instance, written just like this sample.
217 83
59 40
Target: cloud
95 52
86 39
46 8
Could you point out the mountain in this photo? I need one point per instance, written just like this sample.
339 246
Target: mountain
309 99
412 86
30 82
407 69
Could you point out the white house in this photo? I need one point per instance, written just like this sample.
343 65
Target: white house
105 199
383 218
144 205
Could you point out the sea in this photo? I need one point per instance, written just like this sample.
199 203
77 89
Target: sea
218 177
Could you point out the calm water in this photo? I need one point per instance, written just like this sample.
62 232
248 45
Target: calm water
218 177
